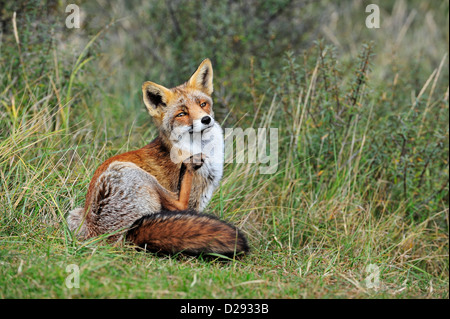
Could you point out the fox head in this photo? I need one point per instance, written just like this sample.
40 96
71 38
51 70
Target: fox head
185 109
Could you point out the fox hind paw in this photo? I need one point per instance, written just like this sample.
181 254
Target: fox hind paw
195 161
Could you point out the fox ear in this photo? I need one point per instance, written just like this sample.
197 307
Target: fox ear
202 79
155 97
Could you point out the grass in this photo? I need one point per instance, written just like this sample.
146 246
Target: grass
312 272
362 177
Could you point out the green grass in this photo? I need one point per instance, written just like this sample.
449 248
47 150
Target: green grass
363 148
312 272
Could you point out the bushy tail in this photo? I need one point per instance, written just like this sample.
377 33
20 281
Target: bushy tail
188 232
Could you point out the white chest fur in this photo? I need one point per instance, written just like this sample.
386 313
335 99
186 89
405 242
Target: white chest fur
212 169
210 143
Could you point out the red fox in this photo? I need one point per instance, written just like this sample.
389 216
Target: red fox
154 196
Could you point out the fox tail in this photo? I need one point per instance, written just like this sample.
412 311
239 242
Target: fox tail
187 232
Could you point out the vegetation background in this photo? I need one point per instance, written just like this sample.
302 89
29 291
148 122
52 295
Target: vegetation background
363 119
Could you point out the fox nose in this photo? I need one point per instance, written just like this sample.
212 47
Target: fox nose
206 120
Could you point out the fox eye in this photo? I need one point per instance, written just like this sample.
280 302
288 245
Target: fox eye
181 114
203 104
